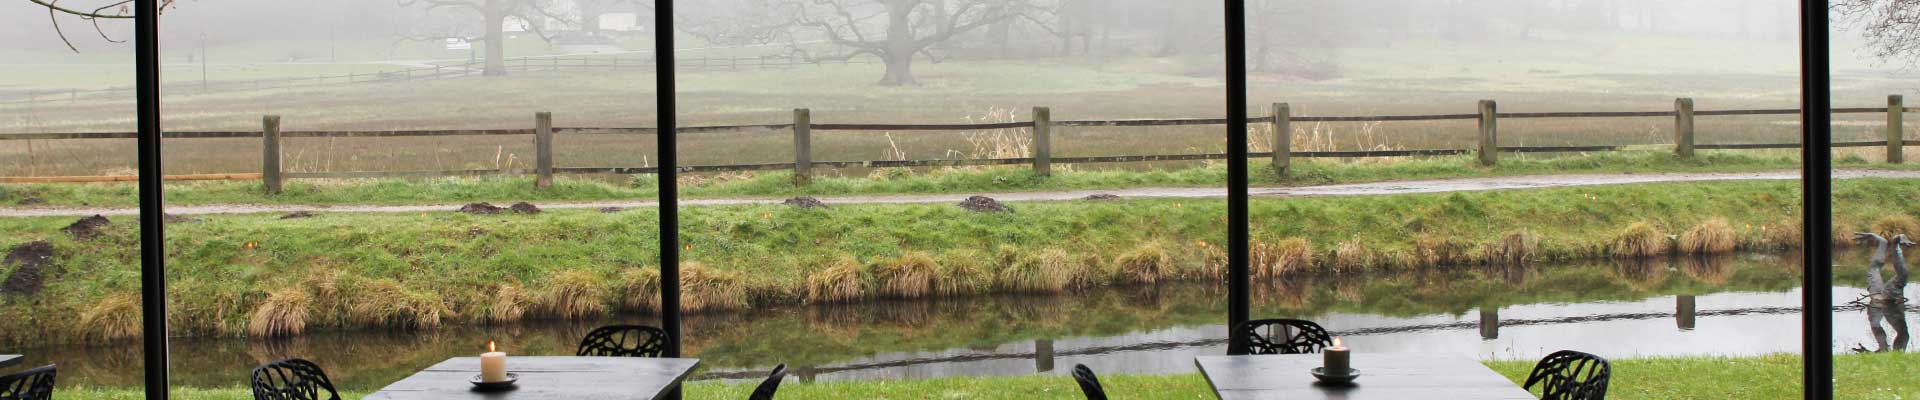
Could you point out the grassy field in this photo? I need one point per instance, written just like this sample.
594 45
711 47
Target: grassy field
1863 376
233 274
1638 73
901 181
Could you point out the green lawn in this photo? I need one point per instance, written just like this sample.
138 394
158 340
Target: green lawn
899 181
1874 376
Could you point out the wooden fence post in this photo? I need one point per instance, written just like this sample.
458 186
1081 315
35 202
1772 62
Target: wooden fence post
802 146
1489 133
270 153
1896 129
1282 138
1042 141
1683 128
543 148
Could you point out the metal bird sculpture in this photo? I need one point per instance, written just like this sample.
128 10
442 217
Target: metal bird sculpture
1876 285
1879 288
1897 287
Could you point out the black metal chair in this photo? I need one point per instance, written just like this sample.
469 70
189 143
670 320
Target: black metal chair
292 379
624 341
1571 375
33 384
772 384
1301 337
1089 384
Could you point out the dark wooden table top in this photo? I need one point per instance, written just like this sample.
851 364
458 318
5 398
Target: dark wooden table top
1382 376
548 378
8 360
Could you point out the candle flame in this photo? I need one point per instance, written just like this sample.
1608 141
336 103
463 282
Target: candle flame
490 346
1337 342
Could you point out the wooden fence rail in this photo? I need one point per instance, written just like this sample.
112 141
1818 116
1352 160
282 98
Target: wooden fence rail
1041 156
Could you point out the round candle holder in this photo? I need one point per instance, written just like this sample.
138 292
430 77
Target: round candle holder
500 386
1336 379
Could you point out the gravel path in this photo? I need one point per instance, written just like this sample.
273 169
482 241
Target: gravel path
1357 189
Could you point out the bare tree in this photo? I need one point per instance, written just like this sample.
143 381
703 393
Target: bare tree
493 18
117 9
1294 37
1891 27
893 30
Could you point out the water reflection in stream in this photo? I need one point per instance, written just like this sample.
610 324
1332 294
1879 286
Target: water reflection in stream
1741 305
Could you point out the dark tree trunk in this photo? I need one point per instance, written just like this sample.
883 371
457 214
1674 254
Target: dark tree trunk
901 45
1001 34
899 70
496 39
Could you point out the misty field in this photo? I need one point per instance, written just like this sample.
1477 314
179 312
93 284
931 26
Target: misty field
1532 76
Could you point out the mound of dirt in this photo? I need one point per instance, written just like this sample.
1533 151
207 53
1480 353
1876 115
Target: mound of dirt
610 210
525 208
87 228
481 209
298 214
805 202
983 204
1104 197
32 259
32 201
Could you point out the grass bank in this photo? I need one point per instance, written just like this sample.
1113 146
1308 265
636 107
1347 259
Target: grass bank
262 275
900 181
1868 376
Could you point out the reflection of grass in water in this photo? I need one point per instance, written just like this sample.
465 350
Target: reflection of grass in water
832 334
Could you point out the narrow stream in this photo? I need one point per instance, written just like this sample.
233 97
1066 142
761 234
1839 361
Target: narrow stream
1746 304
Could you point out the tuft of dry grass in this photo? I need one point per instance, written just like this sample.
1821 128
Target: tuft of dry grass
385 302
1896 224
1516 248
1050 271
840 281
1784 234
1435 250
909 276
1351 256
508 304
1148 263
1639 240
1842 234
115 317
708 289
963 273
1713 236
640 289
574 294
1274 260
284 313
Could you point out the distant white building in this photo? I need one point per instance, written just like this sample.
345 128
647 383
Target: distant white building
619 22
513 24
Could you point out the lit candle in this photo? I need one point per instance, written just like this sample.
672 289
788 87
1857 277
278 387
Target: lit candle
1337 358
493 365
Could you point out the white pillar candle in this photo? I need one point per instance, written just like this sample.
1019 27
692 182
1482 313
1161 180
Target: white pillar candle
1337 359
493 365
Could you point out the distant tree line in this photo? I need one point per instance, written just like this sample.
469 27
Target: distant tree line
1297 38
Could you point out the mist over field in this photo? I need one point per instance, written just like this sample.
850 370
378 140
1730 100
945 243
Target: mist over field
394 65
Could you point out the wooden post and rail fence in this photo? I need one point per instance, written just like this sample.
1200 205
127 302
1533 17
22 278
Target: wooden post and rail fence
1041 157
